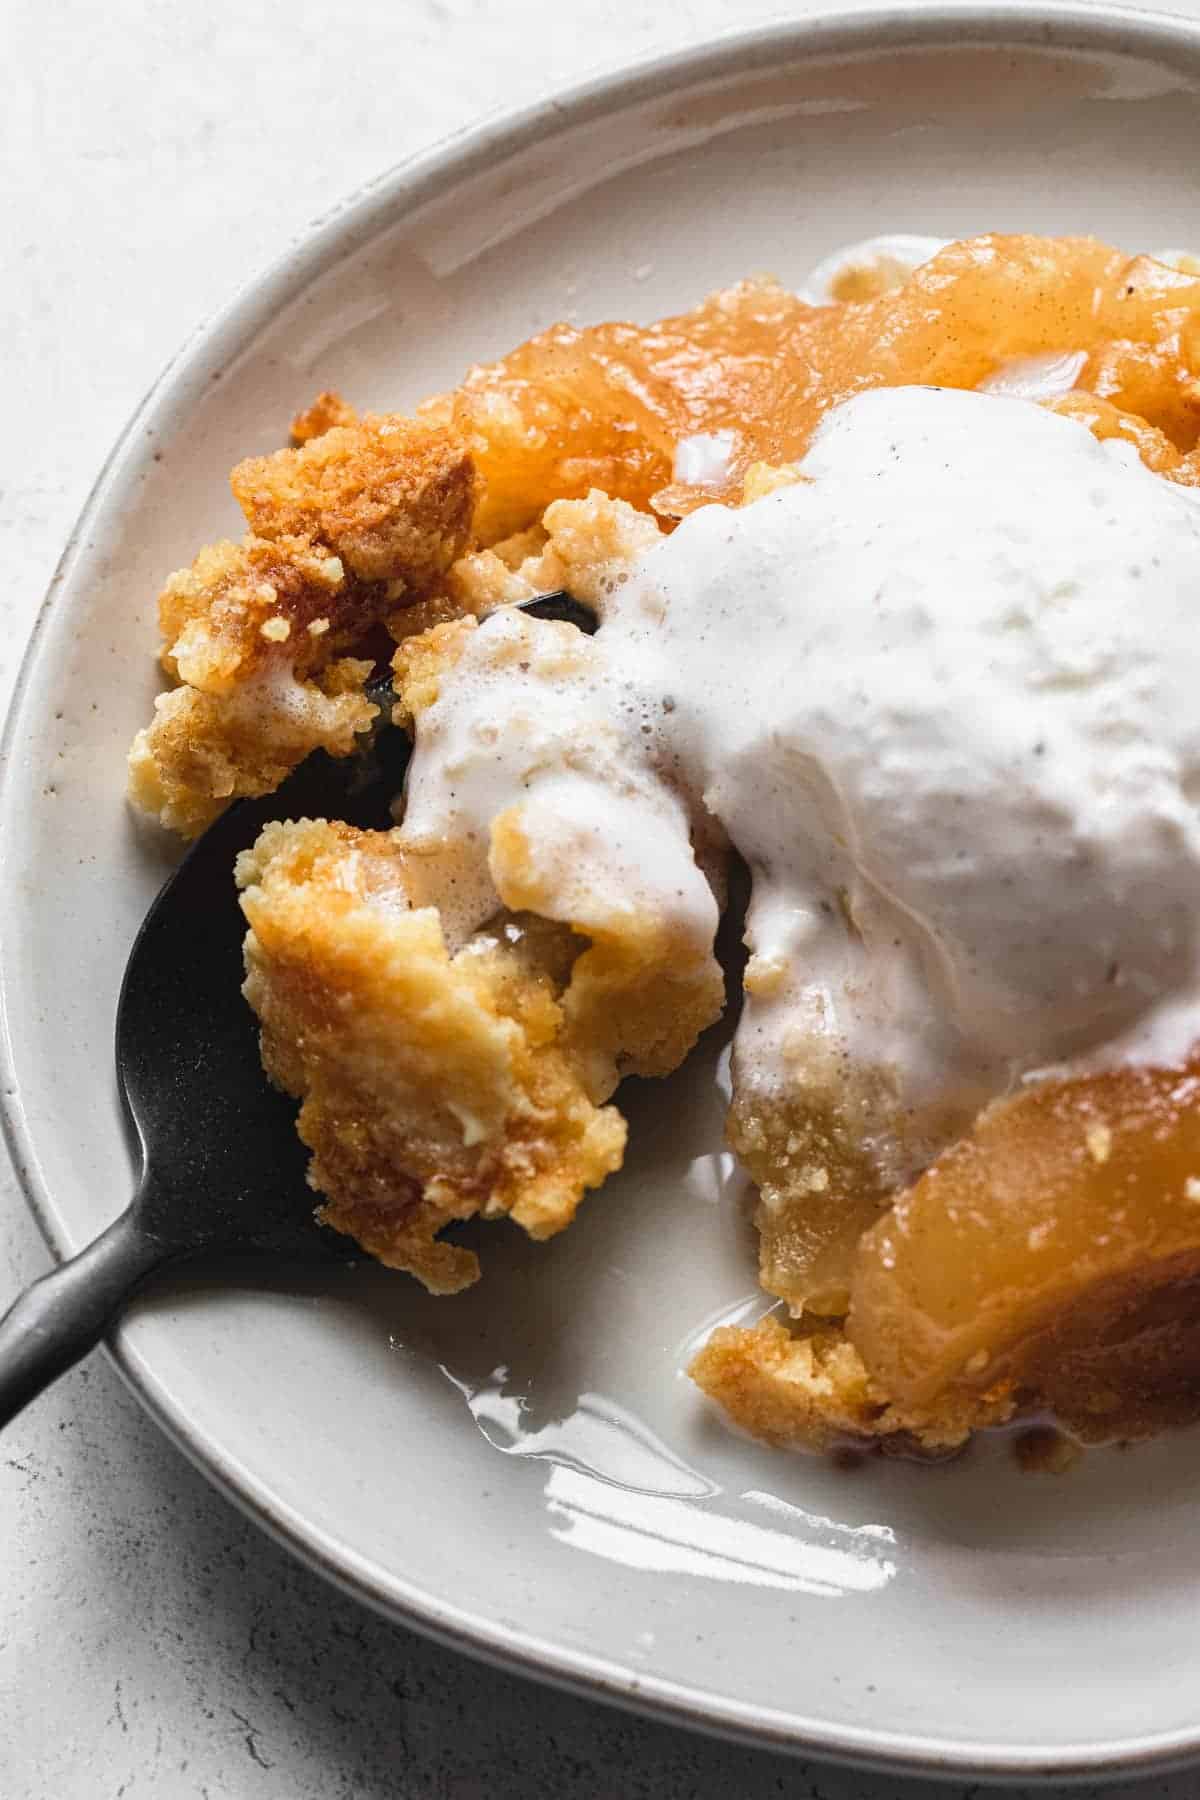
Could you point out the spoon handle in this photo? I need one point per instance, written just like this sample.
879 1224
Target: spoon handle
62 1316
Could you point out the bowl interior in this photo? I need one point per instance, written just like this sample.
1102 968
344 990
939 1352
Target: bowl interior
525 1467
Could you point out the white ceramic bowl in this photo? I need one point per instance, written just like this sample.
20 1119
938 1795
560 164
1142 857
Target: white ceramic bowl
523 1470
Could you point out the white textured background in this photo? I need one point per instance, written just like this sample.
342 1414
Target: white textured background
151 1642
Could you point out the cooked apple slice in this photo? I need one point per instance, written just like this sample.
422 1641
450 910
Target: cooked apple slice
1054 1254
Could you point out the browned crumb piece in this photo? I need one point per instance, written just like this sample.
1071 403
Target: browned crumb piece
253 632
240 606
258 631
326 411
394 499
434 1087
812 1392
200 750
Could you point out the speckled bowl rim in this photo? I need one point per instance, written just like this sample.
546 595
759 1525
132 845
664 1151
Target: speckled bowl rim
1099 28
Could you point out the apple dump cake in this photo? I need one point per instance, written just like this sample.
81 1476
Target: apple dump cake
896 587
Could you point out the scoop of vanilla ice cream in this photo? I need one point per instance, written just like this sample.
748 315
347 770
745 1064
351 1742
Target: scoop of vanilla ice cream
944 696
942 693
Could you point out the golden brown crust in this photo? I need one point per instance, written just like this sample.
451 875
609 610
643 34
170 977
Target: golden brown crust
258 631
434 1087
240 606
201 751
813 1392
256 634
393 498
326 411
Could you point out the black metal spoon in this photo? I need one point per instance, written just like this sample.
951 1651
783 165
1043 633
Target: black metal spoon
222 1167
